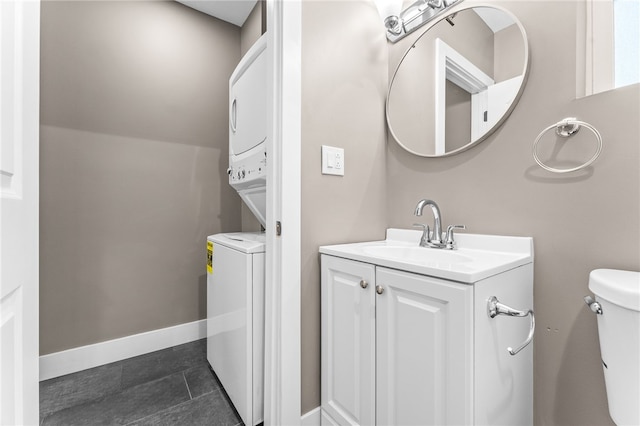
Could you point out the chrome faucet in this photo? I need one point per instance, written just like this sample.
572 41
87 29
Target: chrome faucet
434 240
437 227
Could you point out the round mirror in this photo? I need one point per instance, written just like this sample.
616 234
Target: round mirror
458 82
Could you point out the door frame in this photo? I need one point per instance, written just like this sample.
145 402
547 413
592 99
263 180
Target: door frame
454 67
282 313
282 288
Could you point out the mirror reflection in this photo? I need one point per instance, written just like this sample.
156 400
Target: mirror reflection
458 81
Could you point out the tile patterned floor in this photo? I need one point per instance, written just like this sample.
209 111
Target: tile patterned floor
174 386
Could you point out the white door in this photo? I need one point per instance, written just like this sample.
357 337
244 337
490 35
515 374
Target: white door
424 349
480 114
489 105
348 341
19 123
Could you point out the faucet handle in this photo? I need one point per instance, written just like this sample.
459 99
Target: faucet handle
449 241
425 233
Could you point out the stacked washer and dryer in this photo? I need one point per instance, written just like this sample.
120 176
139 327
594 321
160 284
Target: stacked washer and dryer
236 261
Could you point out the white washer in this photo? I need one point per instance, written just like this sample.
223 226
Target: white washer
235 318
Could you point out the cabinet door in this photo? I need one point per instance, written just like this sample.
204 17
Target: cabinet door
424 350
348 339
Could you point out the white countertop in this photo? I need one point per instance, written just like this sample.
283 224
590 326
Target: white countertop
477 256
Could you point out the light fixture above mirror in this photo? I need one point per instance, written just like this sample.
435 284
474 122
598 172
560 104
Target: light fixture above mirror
399 24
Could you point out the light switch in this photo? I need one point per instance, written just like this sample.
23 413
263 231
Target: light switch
332 160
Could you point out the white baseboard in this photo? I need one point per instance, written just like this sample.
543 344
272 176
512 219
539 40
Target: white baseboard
311 418
81 358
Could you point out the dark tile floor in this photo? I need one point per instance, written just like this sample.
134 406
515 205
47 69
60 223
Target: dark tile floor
173 386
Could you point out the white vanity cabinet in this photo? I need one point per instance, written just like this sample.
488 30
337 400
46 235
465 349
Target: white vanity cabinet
403 348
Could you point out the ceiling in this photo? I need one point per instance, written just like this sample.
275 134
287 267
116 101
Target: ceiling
494 18
233 11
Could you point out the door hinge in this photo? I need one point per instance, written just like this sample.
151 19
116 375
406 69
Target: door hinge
278 228
485 116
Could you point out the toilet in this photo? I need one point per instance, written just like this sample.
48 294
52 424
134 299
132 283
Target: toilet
617 304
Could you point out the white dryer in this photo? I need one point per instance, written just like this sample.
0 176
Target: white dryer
248 129
235 319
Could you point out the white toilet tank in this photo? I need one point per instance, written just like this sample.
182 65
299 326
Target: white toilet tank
618 293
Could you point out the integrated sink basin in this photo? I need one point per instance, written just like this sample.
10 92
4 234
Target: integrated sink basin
417 254
476 258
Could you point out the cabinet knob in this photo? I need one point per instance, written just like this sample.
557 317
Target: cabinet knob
379 289
364 284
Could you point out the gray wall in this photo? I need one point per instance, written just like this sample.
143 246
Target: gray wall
458 117
579 222
506 64
344 83
252 28
134 150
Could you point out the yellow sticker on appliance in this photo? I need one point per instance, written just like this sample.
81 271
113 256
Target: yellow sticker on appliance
209 257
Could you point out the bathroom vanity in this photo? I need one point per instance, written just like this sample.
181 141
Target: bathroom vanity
407 338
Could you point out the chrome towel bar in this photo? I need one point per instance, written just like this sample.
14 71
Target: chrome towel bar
495 308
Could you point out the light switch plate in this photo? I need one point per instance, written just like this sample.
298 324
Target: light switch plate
332 160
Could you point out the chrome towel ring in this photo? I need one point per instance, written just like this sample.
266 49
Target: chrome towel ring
565 128
495 308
